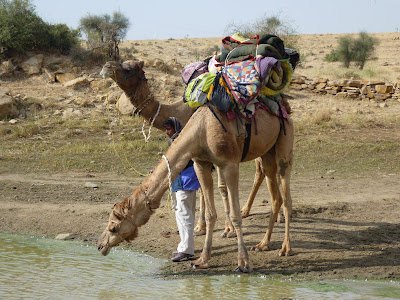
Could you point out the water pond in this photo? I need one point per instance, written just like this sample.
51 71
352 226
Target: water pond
39 268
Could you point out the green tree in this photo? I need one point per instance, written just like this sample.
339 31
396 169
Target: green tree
21 29
104 33
363 49
349 50
63 38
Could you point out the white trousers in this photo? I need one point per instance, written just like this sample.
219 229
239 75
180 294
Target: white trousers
185 214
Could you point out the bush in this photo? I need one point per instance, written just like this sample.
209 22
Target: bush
62 38
22 30
104 33
353 50
267 25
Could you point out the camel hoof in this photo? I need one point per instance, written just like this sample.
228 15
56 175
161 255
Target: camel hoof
199 267
199 233
288 253
245 214
259 248
244 270
231 235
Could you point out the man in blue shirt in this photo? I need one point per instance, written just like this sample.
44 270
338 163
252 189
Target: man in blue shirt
184 187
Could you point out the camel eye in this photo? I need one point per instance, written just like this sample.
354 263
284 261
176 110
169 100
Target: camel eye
112 228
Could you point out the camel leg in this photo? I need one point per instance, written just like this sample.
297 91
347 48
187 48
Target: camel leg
200 228
258 179
284 158
229 230
203 171
279 159
231 176
270 168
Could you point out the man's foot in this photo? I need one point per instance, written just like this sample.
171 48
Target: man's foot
181 256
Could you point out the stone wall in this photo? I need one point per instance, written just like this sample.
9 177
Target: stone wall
349 88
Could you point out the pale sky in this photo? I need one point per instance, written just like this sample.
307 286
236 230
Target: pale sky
177 19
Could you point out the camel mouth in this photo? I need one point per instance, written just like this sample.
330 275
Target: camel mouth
104 73
104 250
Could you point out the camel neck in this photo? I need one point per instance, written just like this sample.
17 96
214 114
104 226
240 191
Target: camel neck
178 156
146 105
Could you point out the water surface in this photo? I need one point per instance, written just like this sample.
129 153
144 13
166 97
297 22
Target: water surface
39 268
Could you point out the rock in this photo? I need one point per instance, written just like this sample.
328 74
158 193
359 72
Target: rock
50 75
296 86
124 105
354 83
320 80
71 112
65 236
91 185
13 121
379 96
113 97
33 65
297 80
99 85
341 94
84 102
8 108
330 172
6 66
62 77
383 89
51 61
383 105
77 82
372 82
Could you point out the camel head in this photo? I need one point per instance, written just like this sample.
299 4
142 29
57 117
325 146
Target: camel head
128 75
124 220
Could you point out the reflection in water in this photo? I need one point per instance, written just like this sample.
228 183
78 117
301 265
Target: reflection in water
40 268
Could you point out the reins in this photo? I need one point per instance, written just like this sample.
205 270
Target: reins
127 75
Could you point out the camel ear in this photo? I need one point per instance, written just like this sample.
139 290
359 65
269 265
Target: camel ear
118 211
141 64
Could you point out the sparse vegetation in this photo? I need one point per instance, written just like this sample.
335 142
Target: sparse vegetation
349 50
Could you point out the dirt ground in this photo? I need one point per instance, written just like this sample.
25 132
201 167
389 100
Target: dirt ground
339 229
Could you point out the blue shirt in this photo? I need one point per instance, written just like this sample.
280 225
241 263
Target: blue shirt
186 180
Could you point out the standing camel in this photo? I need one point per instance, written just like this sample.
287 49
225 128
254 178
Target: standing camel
139 94
204 140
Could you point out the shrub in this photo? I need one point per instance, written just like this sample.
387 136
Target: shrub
22 30
104 33
353 50
363 48
267 25
62 38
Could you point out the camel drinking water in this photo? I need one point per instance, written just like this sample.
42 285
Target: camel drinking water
204 140
139 94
